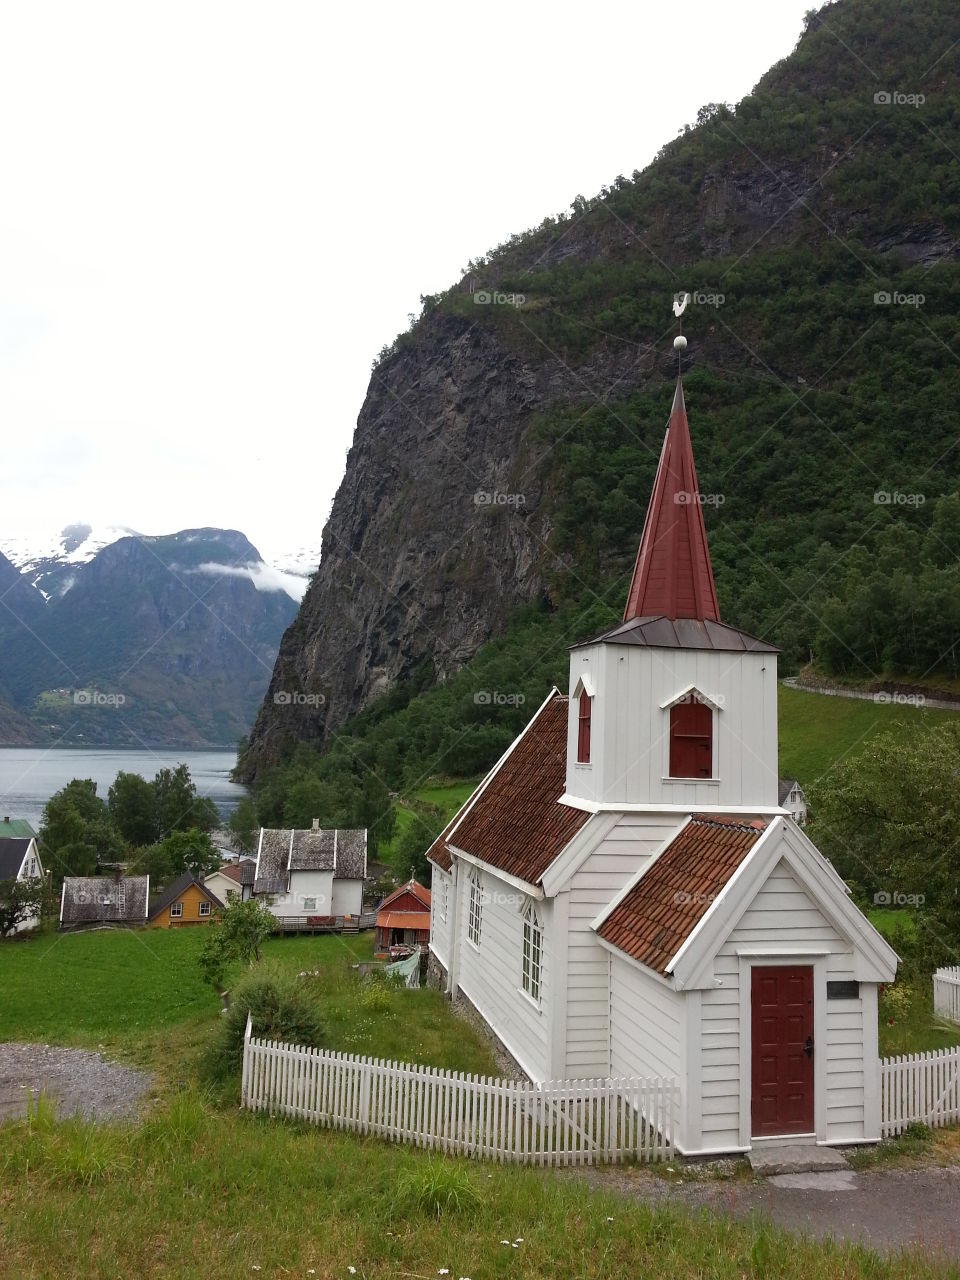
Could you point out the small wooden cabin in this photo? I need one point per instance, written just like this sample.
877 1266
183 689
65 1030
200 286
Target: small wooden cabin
403 918
186 901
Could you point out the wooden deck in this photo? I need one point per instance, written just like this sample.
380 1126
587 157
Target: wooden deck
325 924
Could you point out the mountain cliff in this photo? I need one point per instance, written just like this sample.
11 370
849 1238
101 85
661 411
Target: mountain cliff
507 442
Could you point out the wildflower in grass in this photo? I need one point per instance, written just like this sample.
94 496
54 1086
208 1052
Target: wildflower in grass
352 1270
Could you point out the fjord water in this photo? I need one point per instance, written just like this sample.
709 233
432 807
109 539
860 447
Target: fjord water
29 776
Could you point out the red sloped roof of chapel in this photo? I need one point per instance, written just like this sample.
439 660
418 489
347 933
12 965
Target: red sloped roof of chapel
655 918
516 825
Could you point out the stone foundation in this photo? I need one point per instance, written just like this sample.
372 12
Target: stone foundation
436 973
507 1065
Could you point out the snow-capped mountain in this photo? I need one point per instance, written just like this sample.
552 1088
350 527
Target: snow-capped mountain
49 561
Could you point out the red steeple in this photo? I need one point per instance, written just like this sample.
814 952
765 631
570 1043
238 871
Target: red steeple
672 574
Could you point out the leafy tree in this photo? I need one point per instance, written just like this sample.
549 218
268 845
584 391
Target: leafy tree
133 808
234 939
177 804
20 900
890 823
181 851
409 853
77 831
243 826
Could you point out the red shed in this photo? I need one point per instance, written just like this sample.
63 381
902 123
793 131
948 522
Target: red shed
403 918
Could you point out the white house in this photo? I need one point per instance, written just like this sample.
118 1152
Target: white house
624 894
233 880
20 860
792 798
311 872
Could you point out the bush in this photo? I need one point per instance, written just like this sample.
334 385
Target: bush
437 1187
281 1009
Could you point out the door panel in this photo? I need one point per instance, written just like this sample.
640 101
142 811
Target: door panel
782 1050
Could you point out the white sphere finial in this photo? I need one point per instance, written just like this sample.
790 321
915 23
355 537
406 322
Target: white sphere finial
680 343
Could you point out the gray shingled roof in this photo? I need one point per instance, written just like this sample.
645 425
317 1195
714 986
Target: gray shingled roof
100 899
314 849
784 787
341 850
351 854
12 854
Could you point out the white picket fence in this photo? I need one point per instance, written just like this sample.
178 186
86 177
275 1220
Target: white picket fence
920 1088
559 1123
946 993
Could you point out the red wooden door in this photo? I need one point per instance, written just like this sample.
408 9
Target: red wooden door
691 740
782 1037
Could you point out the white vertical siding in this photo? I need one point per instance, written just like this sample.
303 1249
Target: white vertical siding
490 975
622 852
781 915
629 739
440 927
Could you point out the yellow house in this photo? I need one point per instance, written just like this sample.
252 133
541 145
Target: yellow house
185 901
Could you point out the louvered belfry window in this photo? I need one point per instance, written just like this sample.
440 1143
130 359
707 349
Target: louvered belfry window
691 739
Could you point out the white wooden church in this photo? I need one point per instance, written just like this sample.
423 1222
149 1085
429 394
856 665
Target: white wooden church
624 895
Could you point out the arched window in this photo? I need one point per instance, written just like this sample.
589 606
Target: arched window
474 918
583 728
532 952
691 739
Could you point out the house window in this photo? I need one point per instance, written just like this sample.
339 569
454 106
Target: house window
309 904
176 911
444 889
583 728
204 909
532 953
691 739
476 905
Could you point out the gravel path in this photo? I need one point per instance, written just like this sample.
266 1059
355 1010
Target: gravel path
887 1209
81 1082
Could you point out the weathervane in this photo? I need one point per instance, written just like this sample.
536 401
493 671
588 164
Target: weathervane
680 302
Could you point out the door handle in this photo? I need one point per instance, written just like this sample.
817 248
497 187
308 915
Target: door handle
808 1047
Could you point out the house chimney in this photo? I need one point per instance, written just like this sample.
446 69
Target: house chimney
316 824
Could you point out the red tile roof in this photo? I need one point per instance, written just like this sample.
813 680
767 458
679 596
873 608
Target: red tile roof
516 825
663 908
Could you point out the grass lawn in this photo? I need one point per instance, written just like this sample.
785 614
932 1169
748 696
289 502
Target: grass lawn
201 1189
815 730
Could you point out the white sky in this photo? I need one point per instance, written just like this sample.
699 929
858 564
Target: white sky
213 216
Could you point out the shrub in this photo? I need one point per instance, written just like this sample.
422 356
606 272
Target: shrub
436 1187
281 1009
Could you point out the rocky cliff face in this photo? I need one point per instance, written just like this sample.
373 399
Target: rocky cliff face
418 566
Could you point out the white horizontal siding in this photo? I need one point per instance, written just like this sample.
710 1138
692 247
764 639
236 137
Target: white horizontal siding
623 851
490 975
780 915
646 1023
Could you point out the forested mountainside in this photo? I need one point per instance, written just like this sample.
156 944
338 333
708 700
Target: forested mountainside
502 461
158 641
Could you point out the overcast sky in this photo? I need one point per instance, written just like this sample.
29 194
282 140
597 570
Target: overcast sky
214 215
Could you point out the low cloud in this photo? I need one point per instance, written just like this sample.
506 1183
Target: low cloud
263 576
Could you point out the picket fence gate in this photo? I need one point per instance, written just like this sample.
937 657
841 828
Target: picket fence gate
946 993
565 1122
920 1088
